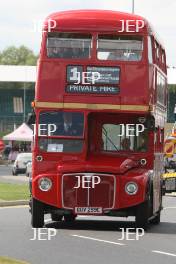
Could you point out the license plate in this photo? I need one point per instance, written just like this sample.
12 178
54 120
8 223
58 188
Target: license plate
170 184
88 210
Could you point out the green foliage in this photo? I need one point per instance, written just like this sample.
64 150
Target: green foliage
2 134
16 85
172 88
18 56
171 103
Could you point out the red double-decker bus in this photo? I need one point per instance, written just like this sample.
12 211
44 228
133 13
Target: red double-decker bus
100 107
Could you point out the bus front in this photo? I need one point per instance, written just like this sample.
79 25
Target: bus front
93 151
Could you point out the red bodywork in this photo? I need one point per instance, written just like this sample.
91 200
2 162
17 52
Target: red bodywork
2 146
138 96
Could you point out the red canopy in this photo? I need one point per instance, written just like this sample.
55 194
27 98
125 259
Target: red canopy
2 146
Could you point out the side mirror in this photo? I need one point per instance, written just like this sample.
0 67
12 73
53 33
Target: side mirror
31 119
150 123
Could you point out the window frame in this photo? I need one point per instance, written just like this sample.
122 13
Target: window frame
123 36
133 140
66 59
60 136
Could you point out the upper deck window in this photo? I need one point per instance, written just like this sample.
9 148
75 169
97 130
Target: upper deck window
69 45
122 48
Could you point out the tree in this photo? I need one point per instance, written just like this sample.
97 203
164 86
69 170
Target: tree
18 56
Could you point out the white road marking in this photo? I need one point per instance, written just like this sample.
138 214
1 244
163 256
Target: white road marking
83 216
164 253
48 220
15 206
169 208
99 240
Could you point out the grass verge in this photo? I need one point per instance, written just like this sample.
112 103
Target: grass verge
11 192
5 260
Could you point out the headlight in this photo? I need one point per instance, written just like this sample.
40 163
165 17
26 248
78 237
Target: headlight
131 188
45 184
143 162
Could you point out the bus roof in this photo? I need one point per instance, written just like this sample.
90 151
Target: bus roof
92 20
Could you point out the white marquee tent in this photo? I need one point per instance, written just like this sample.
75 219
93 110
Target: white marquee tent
22 133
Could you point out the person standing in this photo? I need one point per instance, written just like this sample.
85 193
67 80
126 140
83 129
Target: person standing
70 127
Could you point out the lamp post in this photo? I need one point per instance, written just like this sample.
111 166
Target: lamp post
24 102
133 6
24 94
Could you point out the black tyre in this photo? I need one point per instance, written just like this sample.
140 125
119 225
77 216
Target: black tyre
164 192
69 218
14 173
56 217
142 215
37 217
156 219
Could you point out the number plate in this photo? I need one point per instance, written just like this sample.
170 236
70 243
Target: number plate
88 210
170 184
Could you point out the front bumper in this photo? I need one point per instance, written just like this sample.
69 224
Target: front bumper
110 194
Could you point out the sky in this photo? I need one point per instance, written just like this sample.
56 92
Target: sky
18 17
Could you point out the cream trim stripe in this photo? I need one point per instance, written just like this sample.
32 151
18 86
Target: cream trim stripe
92 106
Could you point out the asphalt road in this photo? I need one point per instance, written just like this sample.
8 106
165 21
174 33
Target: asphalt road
89 240
5 170
6 175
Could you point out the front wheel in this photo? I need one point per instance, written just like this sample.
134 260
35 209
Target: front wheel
142 215
55 217
69 218
156 219
37 210
14 173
